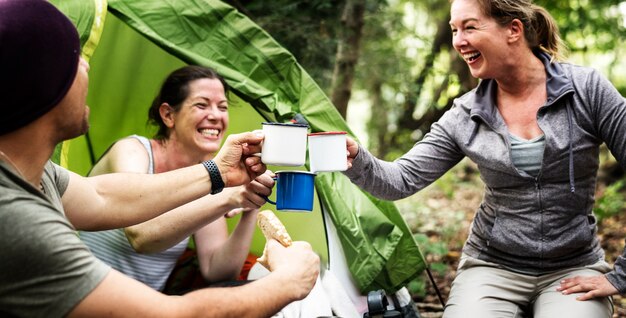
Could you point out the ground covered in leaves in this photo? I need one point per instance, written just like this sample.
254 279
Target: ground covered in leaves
440 217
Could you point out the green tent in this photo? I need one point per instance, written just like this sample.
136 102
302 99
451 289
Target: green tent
133 44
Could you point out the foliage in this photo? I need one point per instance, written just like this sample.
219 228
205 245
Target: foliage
308 29
417 287
406 76
435 250
588 25
421 76
406 141
384 72
610 202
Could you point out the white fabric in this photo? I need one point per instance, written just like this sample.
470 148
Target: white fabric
340 302
346 300
316 304
339 267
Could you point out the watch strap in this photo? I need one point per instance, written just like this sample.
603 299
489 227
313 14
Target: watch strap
217 184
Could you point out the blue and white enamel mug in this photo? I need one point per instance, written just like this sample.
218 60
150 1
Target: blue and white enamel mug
294 191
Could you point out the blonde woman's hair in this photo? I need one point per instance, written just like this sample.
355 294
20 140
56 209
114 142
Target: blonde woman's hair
540 28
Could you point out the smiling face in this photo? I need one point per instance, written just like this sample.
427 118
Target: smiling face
201 122
481 42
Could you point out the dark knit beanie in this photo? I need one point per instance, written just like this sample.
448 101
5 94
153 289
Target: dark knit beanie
39 51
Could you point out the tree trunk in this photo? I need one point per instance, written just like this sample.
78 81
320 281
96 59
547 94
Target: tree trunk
442 39
347 54
378 123
457 66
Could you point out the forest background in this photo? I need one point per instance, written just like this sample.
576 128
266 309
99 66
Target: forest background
389 68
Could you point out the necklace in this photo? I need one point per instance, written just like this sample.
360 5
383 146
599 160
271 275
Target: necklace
8 160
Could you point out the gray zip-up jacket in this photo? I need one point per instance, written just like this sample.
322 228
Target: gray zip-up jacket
531 224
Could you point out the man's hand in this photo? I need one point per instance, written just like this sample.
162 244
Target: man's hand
298 263
592 286
352 148
235 161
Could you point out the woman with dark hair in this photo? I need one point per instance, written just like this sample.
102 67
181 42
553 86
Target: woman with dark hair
533 126
46 270
191 113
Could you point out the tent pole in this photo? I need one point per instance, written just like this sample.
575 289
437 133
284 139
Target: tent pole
92 157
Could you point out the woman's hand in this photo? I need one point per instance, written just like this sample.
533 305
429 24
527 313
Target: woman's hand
352 148
592 286
253 195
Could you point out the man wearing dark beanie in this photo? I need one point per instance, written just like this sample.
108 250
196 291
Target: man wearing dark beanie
45 269
24 36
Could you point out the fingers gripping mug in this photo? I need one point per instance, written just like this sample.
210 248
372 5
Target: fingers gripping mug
294 191
284 144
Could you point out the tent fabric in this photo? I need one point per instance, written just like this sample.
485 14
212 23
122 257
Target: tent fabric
367 228
379 248
88 16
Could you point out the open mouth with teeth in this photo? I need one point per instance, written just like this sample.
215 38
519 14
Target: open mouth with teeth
209 132
471 57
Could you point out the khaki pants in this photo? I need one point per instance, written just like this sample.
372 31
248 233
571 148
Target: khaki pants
486 290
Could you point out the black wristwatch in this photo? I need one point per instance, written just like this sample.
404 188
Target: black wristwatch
217 184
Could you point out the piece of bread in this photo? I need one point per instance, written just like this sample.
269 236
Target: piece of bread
272 228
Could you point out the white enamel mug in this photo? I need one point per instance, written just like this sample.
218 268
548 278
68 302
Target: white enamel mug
284 144
327 151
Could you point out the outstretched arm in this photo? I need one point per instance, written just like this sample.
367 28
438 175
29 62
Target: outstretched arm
123 199
294 271
172 227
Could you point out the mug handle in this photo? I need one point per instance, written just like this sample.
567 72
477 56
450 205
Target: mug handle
267 199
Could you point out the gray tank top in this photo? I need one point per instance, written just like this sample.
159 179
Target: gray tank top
113 248
527 155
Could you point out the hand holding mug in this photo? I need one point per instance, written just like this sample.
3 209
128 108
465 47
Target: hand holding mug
352 148
253 194
234 160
